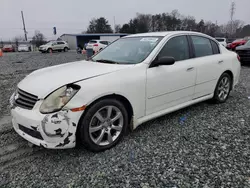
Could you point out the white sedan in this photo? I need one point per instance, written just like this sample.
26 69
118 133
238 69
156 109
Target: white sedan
135 79
23 48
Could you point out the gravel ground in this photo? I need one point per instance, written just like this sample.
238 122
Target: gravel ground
205 145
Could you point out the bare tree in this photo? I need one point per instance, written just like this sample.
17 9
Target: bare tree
38 39
18 39
117 28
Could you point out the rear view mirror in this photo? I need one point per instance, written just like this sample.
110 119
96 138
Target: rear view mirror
166 60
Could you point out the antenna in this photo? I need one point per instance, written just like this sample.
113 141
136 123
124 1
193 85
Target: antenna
114 24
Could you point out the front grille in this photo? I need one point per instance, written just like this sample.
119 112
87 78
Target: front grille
243 53
31 132
25 100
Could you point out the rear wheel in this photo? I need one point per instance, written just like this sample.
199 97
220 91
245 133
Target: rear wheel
103 125
66 49
223 88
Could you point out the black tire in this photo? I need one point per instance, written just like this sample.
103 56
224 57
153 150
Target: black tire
49 50
85 138
66 49
216 98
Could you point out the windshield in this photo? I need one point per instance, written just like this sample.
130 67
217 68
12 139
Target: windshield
7 46
220 39
92 41
248 43
49 43
237 40
129 50
22 45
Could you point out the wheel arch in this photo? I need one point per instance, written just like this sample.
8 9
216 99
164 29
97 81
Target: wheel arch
231 75
127 104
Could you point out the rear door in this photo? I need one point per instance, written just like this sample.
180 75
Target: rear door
209 63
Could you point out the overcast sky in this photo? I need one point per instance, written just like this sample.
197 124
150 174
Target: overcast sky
73 16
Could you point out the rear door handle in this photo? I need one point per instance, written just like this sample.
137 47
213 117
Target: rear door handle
190 68
219 62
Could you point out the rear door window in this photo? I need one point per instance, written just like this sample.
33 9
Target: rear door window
202 46
92 41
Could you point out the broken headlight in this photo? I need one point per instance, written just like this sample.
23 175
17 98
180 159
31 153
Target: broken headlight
58 99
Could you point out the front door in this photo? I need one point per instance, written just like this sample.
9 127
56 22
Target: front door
170 85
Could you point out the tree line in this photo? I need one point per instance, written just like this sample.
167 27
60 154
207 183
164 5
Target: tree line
172 21
142 23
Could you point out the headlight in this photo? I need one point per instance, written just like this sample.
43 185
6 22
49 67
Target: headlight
58 99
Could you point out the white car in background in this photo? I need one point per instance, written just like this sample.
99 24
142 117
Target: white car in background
23 48
54 46
222 41
97 45
135 79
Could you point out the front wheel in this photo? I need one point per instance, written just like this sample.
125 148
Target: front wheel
66 49
49 50
223 88
103 125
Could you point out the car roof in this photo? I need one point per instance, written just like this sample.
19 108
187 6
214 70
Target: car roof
163 34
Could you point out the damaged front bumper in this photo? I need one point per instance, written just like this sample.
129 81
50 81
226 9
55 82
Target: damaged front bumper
54 131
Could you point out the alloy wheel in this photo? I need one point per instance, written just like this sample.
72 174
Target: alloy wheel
223 88
106 125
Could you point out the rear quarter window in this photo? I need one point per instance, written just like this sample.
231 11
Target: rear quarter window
215 47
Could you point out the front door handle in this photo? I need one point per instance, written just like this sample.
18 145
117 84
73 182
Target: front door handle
219 62
190 68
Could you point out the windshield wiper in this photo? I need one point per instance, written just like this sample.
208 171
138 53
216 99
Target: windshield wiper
106 61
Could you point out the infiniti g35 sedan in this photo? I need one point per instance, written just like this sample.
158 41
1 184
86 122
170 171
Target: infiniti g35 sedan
134 79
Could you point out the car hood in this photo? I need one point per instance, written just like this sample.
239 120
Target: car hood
46 80
244 47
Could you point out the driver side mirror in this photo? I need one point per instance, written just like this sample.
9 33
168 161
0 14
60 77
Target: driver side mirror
165 60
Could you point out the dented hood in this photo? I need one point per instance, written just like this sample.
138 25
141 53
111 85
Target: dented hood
46 80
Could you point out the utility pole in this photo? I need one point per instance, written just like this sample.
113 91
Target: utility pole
114 24
24 29
232 12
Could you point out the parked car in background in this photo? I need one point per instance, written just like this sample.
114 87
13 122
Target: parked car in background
222 41
244 52
54 46
237 42
8 48
131 81
23 48
97 45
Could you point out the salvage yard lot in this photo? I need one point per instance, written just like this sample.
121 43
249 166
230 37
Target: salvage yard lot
204 145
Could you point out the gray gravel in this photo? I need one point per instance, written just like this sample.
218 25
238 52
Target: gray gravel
205 145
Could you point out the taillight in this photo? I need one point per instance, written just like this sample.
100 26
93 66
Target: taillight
95 45
238 57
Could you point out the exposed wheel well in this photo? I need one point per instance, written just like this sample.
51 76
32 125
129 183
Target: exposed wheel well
120 98
232 77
